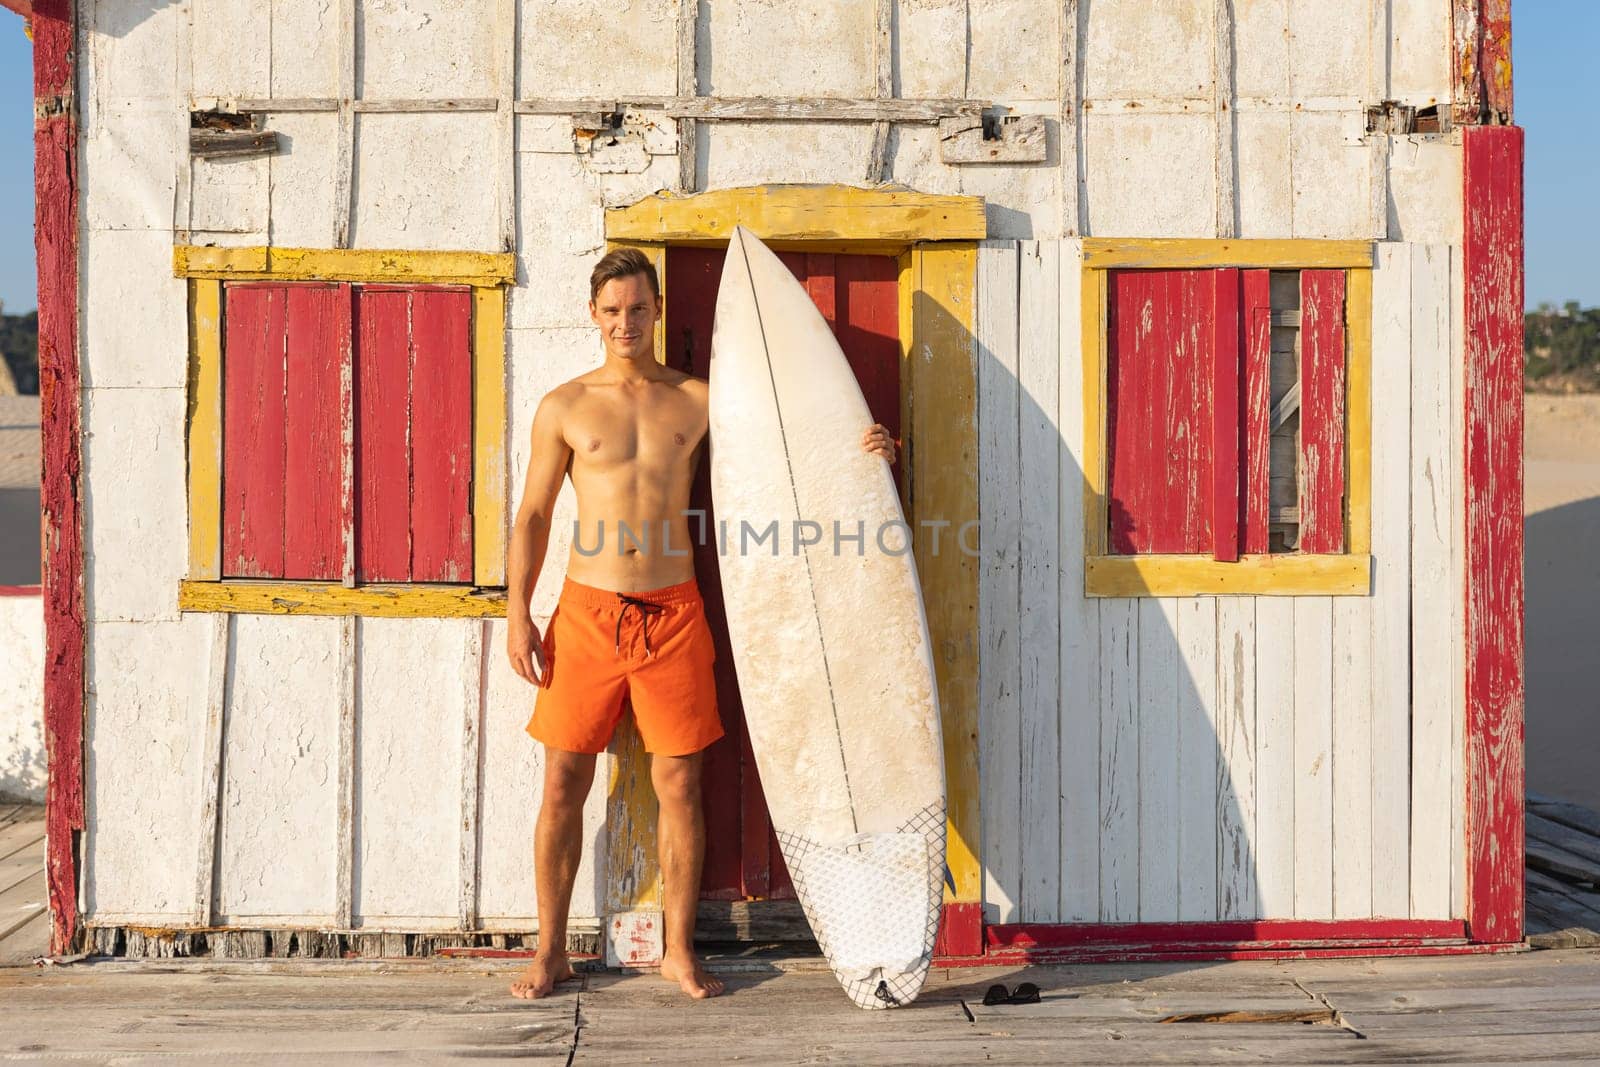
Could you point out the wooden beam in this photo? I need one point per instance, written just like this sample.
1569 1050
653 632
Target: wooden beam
21 7
55 152
944 486
211 770
416 601
471 754
1492 249
205 430
1277 574
1175 253
344 265
344 820
489 507
801 212
688 86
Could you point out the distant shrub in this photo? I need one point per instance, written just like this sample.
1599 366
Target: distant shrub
1563 349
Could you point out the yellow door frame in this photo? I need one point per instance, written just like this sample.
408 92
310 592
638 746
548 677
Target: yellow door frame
935 241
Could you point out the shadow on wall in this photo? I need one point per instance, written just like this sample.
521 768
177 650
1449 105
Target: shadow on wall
1124 760
1562 558
22 764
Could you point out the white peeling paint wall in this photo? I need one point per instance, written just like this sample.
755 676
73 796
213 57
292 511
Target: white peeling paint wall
1156 154
22 762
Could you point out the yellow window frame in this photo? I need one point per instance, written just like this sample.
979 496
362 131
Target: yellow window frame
1285 574
934 239
204 589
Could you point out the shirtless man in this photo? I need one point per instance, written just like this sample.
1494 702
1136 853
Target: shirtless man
629 620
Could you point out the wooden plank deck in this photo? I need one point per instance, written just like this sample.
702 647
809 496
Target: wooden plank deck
1521 1008
24 922
1516 1008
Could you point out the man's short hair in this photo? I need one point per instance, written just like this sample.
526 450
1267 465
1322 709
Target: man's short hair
623 263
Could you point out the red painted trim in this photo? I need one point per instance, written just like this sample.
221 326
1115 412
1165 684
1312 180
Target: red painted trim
1225 415
1322 445
1493 269
20 590
960 930
55 142
1284 931
1224 951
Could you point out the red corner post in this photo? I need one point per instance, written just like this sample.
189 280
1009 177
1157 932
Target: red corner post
55 143
1493 303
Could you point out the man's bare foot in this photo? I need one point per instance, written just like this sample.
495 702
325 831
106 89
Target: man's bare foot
691 977
541 977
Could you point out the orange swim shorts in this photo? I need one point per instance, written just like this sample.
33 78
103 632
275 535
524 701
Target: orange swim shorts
653 647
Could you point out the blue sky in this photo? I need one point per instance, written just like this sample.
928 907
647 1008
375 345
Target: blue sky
1555 70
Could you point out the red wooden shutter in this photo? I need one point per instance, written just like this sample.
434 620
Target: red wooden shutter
1322 410
282 515
414 440
1161 332
1255 464
1225 415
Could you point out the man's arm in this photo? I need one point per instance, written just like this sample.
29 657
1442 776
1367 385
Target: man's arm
530 533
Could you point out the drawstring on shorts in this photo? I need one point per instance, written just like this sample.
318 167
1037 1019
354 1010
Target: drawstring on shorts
646 609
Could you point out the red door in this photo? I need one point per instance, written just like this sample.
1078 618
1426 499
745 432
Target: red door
859 297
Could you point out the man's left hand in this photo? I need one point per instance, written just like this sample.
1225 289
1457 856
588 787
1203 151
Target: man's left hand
879 442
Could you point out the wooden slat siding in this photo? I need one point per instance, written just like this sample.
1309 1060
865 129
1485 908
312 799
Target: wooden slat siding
1078 702
1275 758
1322 458
1159 411
205 430
1198 726
55 155
1313 757
347 438
472 694
383 444
1434 540
1038 357
944 481
1457 497
205 882
1119 760
1255 320
313 519
1492 265
999 588
1156 759
254 431
1351 757
490 508
1225 414
816 273
1391 609
441 436
1236 797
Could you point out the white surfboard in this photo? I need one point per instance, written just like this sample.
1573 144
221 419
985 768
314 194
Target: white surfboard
829 632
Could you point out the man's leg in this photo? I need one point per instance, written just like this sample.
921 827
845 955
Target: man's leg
557 846
680 832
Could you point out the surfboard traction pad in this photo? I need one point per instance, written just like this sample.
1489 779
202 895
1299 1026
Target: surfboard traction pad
835 885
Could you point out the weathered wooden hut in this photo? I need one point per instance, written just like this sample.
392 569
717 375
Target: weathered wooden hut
1204 316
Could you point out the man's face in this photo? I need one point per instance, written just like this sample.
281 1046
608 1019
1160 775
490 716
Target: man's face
626 311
